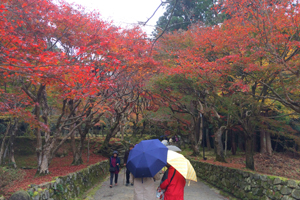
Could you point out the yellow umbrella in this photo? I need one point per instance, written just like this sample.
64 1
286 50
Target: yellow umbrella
182 165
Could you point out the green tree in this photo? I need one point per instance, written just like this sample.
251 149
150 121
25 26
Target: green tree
187 12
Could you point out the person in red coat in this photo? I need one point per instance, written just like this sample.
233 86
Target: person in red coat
174 186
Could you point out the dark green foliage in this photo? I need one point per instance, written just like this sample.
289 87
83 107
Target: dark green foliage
187 12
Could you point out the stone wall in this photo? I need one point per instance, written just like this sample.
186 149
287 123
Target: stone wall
70 186
247 185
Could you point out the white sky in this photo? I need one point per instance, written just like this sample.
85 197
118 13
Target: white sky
125 12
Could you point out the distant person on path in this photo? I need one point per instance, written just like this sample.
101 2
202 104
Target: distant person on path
173 183
127 170
114 163
144 188
176 139
170 141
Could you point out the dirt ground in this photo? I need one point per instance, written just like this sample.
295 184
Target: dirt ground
279 164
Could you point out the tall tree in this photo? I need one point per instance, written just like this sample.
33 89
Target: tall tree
187 12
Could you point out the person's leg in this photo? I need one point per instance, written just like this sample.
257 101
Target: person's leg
111 178
116 179
131 178
127 176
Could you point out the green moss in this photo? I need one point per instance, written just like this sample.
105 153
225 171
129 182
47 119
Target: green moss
229 196
35 194
273 177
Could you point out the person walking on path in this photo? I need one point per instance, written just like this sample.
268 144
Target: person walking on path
173 183
144 188
127 170
114 163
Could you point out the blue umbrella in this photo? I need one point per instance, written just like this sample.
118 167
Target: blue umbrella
147 158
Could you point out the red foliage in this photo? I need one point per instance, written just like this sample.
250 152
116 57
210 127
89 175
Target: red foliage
58 167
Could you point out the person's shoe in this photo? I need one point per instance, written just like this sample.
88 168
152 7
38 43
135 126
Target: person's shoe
110 186
131 184
116 184
127 184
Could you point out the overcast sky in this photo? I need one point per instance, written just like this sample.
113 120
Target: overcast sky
125 12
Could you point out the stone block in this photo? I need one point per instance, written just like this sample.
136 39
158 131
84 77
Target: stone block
263 177
270 181
248 180
58 180
296 194
264 191
264 184
291 184
256 192
20 195
277 187
246 174
37 197
265 198
277 195
254 184
285 190
277 181
270 194
46 194
247 188
286 197
256 177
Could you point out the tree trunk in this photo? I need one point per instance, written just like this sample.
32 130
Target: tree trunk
249 153
219 145
195 137
196 150
144 127
12 140
200 132
77 151
43 168
39 141
240 142
268 143
263 142
233 144
255 145
104 150
226 141
122 129
208 140
194 145
3 143
88 149
277 141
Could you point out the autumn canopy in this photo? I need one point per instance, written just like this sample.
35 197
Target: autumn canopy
64 70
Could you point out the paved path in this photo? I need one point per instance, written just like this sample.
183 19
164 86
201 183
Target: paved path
196 191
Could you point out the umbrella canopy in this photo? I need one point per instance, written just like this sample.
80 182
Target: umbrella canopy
173 148
182 165
147 158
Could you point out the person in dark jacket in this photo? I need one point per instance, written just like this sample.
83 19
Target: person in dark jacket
114 161
125 162
174 186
